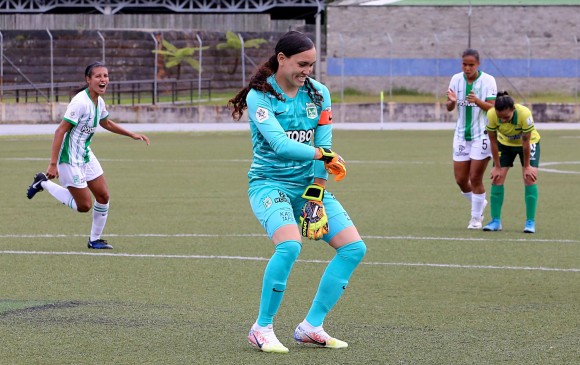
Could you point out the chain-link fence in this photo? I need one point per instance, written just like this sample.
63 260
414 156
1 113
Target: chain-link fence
36 66
389 62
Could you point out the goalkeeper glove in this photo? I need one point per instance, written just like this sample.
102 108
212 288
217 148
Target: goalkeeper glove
313 219
333 163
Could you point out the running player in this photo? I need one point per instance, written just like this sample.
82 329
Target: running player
473 92
291 128
512 133
72 160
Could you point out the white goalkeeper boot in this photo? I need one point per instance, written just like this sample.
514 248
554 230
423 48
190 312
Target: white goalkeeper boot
265 340
305 333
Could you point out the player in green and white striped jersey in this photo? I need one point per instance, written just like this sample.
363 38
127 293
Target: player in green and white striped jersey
473 92
72 160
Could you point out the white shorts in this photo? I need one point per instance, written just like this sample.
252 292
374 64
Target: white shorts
77 176
471 150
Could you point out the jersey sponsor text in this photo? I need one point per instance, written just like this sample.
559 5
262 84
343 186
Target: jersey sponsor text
301 136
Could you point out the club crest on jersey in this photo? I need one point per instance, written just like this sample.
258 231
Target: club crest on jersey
261 114
311 111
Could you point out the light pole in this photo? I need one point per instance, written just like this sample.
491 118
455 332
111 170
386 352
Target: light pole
469 26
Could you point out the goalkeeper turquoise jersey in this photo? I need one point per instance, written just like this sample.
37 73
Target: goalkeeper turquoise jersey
284 134
471 120
85 116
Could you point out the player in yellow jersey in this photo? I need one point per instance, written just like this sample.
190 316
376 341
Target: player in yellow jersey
512 133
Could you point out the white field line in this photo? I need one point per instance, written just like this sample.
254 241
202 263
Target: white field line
390 238
43 129
385 162
250 258
556 171
227 161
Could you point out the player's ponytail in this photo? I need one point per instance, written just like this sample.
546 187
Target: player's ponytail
289 44
504 101
259 82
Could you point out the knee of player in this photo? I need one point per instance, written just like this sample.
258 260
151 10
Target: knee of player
291 249
103 198
476 181
84 207
500 180
354 251
463 185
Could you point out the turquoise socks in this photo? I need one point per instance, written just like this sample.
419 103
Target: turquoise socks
334 281
275 278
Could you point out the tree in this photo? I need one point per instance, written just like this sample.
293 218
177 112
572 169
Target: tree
176 56
234 42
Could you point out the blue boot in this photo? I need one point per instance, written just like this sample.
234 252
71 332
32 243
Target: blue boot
494 225
530 226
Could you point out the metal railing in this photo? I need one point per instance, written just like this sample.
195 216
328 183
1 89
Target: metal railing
171 91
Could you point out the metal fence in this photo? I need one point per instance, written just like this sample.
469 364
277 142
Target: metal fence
170 91
152 82
368 62
389 61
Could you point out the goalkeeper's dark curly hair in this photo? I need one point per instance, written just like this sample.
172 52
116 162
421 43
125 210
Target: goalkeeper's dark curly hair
289 44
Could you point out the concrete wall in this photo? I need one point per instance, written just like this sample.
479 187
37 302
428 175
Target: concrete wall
45 113
442 32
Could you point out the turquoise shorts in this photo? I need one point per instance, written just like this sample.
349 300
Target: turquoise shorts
275 205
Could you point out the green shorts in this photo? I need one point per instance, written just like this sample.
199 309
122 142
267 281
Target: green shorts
507 155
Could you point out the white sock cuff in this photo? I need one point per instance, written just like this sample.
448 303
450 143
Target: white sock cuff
480 197
101 208
308 327
467 195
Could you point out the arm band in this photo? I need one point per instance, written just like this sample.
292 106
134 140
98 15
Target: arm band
325 117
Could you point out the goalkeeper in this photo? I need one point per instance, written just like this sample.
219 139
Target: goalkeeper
291 128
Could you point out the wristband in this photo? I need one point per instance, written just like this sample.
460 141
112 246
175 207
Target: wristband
327 154
314 192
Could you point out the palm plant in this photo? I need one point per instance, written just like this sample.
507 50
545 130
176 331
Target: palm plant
234 42
175 57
